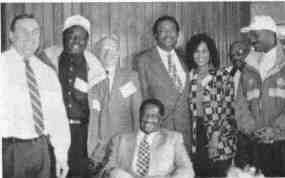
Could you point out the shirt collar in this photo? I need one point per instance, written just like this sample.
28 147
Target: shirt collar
150 136
18 56
163 52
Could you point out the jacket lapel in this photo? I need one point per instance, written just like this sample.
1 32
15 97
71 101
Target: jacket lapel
160 70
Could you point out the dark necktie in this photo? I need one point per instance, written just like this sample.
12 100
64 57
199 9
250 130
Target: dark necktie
143 157
35 98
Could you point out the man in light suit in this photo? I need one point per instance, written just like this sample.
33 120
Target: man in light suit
151 152
164 75
114 102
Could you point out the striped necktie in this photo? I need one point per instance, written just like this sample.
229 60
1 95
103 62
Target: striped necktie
143 157
35 99
174 74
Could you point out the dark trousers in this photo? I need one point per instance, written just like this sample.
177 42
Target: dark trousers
269 158
77 155
203 166
26 158
244 151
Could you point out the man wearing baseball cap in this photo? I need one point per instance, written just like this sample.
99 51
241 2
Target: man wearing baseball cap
263 85
78 70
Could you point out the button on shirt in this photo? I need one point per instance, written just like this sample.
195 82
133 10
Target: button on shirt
71 69
140 137
111 75
164 57
16 113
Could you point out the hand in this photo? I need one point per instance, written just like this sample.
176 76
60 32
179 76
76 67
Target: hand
266 134
61 169
213 145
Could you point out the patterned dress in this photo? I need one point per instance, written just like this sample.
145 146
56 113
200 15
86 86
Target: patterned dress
218 112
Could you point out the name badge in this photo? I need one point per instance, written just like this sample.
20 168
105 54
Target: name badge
81 85
96 105
128 89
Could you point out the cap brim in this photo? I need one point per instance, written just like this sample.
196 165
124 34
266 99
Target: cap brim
245 29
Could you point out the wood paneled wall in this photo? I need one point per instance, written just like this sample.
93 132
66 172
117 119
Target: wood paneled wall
132 22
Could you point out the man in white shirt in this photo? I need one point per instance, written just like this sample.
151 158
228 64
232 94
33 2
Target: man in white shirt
163 74
150 152
114 101
31 106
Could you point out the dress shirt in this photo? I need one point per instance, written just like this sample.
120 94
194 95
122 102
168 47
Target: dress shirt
15 107
140 137
267 61
164 57
111 76
71 70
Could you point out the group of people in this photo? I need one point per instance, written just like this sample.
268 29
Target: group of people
70 113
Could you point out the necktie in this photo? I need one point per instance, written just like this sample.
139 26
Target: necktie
173 73
35 99
143 157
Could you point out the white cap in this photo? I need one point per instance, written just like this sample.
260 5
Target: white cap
261 23
77 20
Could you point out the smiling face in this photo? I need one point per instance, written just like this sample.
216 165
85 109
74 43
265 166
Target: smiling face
150 119
262 40
202 55
166 35
75 40
26 36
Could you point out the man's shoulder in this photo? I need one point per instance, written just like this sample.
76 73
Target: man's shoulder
171 134
146 54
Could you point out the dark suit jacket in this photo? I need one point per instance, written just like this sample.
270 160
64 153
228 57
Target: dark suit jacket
156 83
168 156
113 114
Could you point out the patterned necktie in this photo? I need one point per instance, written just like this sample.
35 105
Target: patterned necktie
173 74
35 99
143 157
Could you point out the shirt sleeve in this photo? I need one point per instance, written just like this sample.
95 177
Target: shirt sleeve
58 126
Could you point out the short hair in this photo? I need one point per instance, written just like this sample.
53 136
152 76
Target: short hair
152 101
164 18
192 45
99 44
20 17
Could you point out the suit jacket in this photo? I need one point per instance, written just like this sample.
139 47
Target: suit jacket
112 113
168 156
156 83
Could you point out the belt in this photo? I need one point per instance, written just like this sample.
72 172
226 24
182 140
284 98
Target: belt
72 121
10 140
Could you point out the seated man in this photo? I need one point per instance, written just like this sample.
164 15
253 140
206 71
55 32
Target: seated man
149 152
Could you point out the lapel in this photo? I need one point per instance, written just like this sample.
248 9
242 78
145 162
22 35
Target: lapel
160 70
129 150
116 81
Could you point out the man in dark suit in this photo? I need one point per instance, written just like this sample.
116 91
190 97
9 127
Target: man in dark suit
150 152
164 75
114 101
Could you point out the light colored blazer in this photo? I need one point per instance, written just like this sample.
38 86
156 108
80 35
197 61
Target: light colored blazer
168 156
156 83
113 114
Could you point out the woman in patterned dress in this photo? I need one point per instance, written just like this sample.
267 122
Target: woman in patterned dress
211 94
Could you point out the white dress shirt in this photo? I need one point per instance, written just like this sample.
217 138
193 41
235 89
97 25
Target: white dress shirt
16 113
267 61
164 57
140 137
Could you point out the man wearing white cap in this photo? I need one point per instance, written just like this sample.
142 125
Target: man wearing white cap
263 86
78 71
